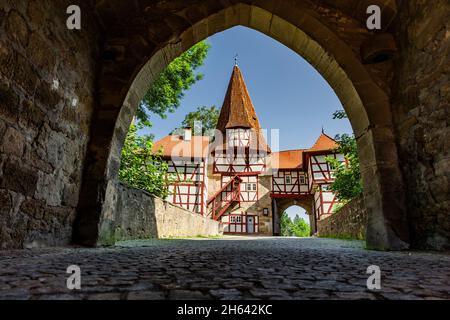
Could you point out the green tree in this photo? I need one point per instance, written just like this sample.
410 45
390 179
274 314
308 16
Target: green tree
168 90
340 114
140 167
296 228
348 181
301 228
203 121
285 225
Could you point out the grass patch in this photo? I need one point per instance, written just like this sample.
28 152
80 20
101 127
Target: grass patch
342 237
196 237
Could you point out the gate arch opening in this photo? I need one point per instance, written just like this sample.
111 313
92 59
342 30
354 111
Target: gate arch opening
281 205
125 80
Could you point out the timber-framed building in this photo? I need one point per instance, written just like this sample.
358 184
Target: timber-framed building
235 177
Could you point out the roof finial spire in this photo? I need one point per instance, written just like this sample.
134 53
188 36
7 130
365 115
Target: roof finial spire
236 60
323 130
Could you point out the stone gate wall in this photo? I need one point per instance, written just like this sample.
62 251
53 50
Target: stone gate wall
349 222
421 108
131 213
50 87
47 97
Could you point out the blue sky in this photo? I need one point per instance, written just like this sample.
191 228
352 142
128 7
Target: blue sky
287 92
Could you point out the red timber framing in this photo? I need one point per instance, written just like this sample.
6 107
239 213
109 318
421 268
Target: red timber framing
228 195
324 202
249 187
239 224
229 162
289 183
319 170
238 137
189 189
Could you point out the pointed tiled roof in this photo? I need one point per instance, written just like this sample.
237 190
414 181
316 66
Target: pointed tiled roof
324 143
237 109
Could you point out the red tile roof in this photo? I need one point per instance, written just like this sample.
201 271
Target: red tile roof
238 110
175 146
291 159
324 143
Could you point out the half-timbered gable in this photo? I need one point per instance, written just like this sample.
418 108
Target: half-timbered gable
189 189
321 175
288 177
319 170
325 201
186 157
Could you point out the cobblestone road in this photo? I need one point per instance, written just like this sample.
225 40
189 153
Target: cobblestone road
231 268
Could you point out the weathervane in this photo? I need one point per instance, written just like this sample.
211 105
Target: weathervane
236 59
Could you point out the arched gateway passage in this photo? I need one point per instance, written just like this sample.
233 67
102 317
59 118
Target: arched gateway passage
281 205
330 38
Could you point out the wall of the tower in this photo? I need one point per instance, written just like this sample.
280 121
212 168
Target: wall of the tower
238 137
253 215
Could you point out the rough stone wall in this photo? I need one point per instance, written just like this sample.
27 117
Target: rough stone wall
47 76
131 213
422 115
349 222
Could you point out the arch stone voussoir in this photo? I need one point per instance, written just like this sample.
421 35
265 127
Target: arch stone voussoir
309 33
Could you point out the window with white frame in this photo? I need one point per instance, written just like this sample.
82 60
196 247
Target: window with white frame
288 179
250 187
302 180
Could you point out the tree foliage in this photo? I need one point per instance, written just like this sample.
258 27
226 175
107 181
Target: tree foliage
140 167
203 121
167 91
348 181
294 228
340 114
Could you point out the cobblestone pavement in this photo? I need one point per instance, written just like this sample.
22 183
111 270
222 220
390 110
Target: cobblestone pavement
231 268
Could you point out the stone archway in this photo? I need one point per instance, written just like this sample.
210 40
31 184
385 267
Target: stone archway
280 205
134 57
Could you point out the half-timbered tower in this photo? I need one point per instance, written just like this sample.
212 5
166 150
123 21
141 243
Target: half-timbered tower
236 179
239 193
